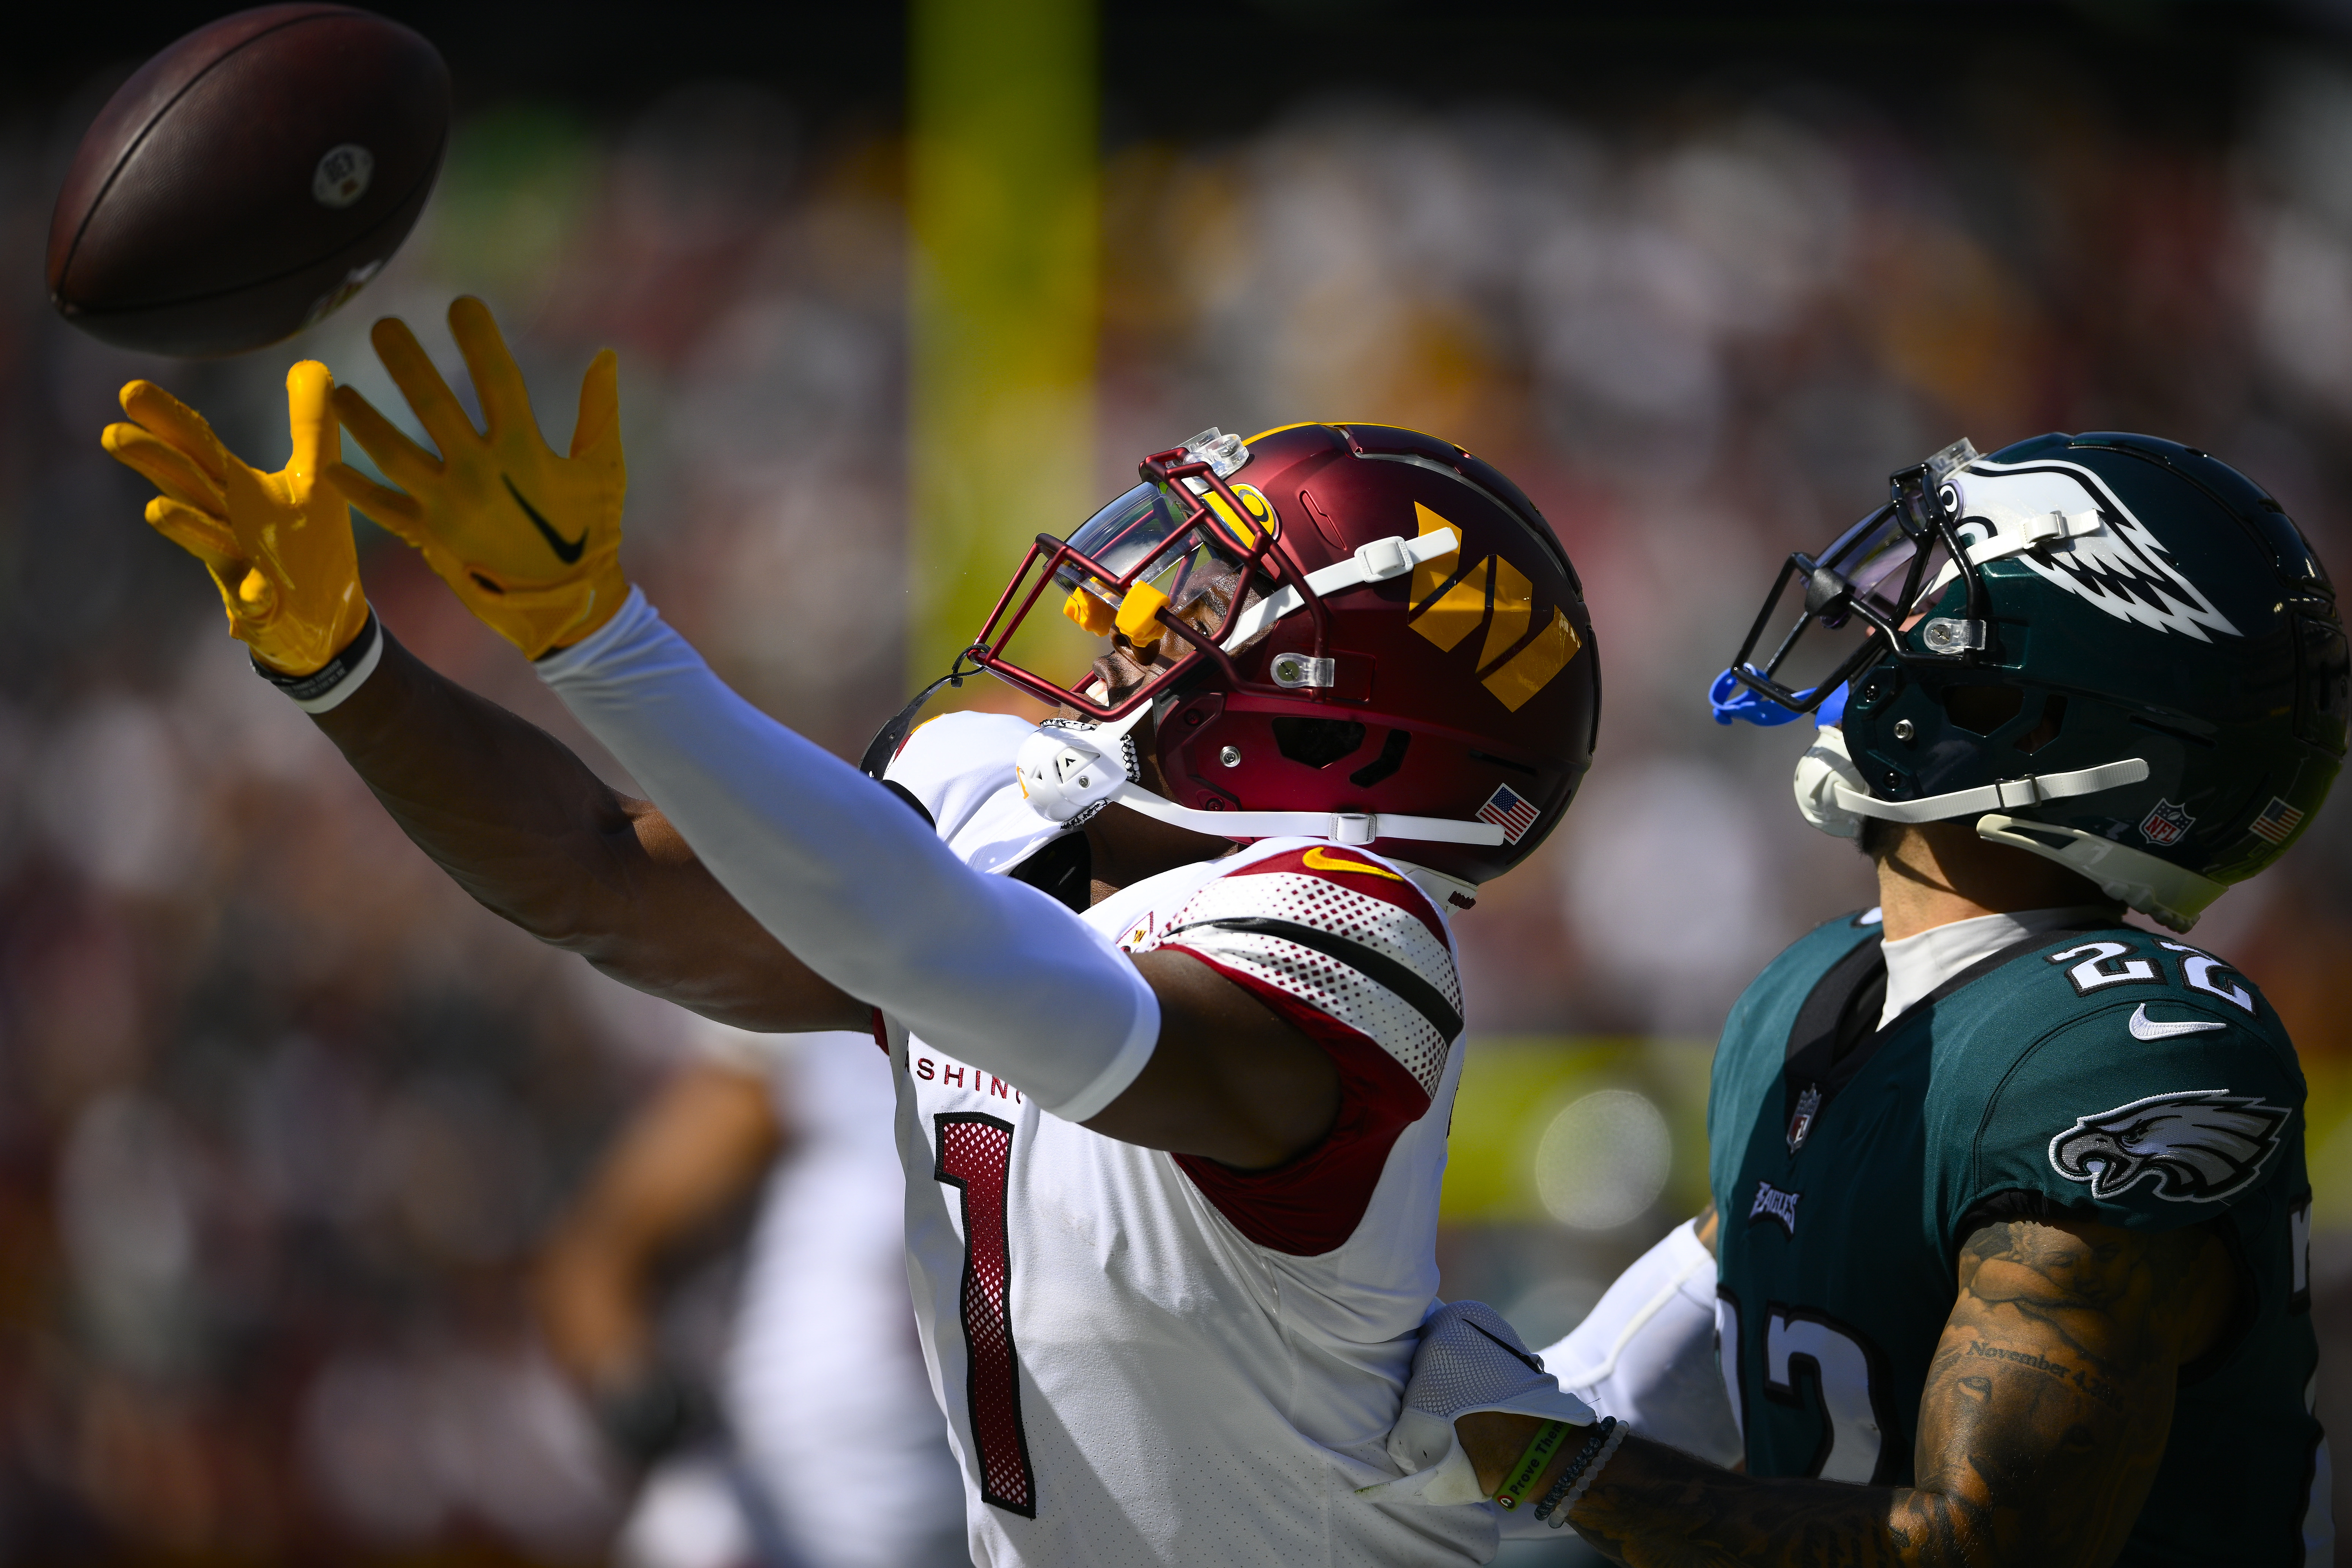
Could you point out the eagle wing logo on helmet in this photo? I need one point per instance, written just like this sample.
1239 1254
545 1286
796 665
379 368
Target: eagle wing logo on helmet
2069 528
2200 1145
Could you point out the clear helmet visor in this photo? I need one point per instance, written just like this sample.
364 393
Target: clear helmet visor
1135 541
1875 557
1833 613
1828 616
1166 572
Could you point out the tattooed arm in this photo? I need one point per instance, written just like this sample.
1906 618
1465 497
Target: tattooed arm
2045 1414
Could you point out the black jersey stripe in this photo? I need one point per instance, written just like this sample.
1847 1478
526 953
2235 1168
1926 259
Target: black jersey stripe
1424 998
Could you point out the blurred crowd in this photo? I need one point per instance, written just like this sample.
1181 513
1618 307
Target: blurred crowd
1702 343
283 1114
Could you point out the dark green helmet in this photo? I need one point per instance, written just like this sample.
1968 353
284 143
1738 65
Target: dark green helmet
2110 650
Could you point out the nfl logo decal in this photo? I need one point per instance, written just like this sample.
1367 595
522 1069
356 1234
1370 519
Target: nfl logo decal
2277 820
2167 825
1801 1123
1509 811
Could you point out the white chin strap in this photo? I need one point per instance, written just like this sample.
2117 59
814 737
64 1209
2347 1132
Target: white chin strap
1068 770
1340 826
1375 562
1833 796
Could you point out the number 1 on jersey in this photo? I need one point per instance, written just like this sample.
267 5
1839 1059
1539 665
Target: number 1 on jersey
975 1156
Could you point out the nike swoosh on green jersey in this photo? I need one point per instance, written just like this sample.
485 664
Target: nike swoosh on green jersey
2143 1027
567 551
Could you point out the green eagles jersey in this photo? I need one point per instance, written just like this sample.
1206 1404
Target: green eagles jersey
2108 1073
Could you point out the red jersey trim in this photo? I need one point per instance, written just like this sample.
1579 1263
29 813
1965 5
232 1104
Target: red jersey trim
1314 1203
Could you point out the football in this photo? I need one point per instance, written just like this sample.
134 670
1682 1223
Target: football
249 180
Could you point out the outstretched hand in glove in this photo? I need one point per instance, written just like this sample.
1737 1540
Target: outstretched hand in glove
1470 1363
529 540
278 545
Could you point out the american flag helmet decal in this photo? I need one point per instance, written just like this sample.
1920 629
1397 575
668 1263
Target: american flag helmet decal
1509 811
2277 820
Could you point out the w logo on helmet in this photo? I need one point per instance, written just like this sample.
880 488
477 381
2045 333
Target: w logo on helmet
1497 595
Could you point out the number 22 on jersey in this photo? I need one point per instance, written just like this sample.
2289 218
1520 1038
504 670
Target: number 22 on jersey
975 1157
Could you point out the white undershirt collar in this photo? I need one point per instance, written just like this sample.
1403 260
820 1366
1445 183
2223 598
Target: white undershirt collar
1918 965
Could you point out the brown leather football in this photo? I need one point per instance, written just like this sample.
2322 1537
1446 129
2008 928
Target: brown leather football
249 180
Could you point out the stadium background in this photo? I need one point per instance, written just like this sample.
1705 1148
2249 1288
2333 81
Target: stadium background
281 1112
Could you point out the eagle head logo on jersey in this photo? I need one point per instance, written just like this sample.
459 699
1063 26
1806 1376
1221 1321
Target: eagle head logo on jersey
2197 1145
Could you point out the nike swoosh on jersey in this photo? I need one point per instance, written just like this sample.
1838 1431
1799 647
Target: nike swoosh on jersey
2143 1027
567 551
1321 859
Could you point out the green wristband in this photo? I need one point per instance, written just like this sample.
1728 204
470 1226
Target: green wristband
1540 1452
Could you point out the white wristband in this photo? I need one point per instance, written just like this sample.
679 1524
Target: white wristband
326 687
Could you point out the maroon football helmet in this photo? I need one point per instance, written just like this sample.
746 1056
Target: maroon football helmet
1353 631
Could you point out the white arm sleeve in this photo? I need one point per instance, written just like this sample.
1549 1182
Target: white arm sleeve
986 968
1646 1353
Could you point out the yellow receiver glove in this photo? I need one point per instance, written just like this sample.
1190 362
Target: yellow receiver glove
529 539
278 545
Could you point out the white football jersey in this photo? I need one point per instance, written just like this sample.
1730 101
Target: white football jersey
1148 1358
